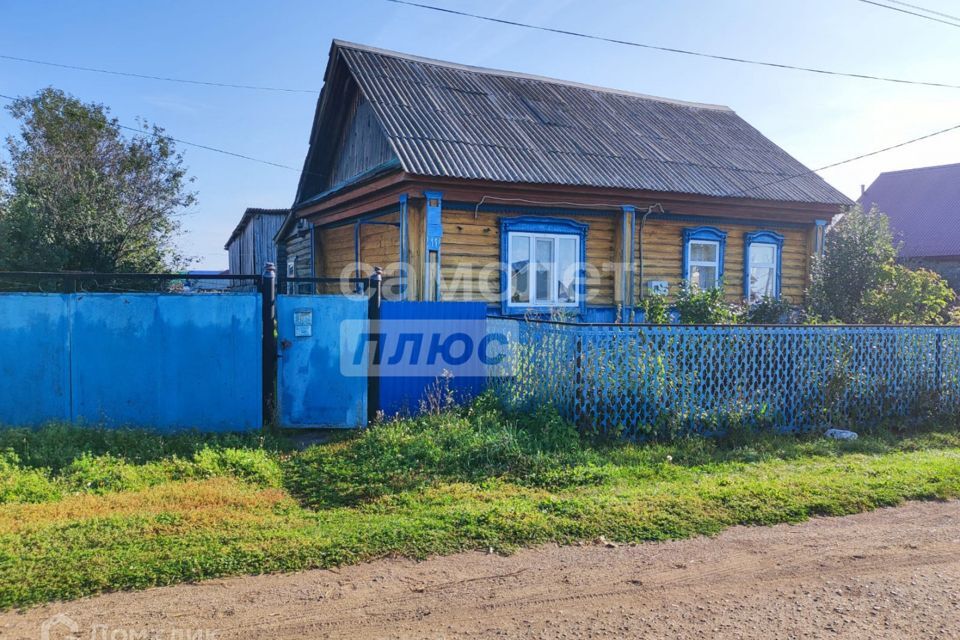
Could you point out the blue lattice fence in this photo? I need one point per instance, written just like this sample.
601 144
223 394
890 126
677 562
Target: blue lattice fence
646 379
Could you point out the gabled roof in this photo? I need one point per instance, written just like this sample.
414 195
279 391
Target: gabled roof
250 213
451 120
923 206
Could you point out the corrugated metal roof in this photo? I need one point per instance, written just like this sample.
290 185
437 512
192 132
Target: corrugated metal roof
923 206
450 120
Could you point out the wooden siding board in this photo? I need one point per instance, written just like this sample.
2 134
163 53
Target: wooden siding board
362 144
663 250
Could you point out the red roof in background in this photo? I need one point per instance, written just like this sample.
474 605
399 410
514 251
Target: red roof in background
924 208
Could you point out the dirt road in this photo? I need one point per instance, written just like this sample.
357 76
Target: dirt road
893 573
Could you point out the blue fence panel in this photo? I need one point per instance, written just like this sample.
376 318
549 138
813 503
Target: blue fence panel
649 380
34 358
406 393
168 361
149 360
314 391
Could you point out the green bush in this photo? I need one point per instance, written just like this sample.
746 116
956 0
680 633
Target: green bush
907 296
767 310
703 306
656 309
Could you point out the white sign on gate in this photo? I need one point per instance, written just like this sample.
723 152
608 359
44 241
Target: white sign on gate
303 323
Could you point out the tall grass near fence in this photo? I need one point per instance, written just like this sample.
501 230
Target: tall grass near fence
661 381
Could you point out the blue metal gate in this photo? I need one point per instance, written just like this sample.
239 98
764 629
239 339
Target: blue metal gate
405 393
313 389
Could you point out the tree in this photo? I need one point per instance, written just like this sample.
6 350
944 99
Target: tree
79 195
858 280
857 251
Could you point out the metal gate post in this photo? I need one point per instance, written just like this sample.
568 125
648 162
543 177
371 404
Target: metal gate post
373 373
268 294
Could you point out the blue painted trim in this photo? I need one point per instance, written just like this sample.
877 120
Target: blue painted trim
761 237
704 233
541 225
434 229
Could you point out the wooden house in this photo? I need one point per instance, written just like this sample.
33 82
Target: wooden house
536 194
251 245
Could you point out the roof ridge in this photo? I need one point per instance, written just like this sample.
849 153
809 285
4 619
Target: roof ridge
930 168
344 44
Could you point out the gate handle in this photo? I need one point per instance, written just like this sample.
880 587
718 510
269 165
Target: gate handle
285 344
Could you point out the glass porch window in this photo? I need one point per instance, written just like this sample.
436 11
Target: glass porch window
544 270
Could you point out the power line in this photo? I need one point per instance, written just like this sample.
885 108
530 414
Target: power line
732 194
847 161
930 11
687 52
191 144
914 13
162 78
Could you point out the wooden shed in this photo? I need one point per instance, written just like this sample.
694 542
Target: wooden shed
252 244
535 194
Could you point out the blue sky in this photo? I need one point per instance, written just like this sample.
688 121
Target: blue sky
818 119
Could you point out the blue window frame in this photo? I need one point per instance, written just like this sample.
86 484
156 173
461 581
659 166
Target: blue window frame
762 262
544 262
703 251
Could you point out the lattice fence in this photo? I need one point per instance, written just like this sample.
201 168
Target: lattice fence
650 380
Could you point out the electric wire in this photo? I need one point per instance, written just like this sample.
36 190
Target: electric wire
687 52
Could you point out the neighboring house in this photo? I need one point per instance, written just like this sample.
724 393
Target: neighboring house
586 197
251 245
924 210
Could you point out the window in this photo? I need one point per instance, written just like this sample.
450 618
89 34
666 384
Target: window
761 265
291 273
703 249
548 279
544 260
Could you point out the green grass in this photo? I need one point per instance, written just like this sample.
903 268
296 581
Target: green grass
125 510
